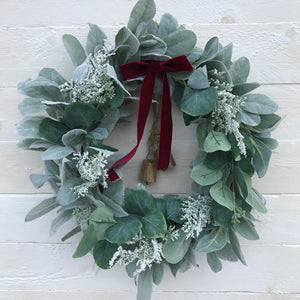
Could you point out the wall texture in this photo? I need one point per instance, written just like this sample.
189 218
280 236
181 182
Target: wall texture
35 266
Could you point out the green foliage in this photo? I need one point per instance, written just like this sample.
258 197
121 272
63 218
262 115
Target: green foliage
103 253
214 262
215 240
144 285
216 140
74 48
41 209
139 202
174 250
52 131
239 70
143 11
198 79
199 102
222 194
96 37
52 75
154 224
31 106
259 104
205 176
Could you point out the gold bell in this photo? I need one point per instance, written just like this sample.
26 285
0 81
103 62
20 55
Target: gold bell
148 171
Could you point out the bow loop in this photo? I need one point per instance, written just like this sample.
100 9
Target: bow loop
151 69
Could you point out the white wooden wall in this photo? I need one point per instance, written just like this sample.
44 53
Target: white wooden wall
35 266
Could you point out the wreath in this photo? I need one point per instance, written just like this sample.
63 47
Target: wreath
68 121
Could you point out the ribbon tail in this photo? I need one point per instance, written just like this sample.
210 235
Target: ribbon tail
143 112
166 127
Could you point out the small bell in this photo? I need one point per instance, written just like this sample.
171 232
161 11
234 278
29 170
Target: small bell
148 171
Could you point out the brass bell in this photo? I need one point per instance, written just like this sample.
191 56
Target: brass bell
148 171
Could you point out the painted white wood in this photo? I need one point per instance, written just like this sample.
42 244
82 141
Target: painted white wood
271 48
279 226
129 295
35 266
37 13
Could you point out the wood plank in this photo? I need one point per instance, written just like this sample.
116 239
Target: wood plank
129 295
279 226
38 266
273 49
37 13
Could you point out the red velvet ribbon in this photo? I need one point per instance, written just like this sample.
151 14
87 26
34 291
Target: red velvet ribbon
151 69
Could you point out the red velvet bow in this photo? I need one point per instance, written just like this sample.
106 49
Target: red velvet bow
134 69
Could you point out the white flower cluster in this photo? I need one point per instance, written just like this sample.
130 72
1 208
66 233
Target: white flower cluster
92 169
196 214
145 253
226 109
96 86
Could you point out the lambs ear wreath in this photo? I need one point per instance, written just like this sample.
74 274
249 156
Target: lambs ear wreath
68 121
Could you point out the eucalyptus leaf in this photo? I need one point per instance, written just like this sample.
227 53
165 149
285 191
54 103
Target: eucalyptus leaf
234 242
215 141
144 285
261 158
82 115
158 272
96 37
52 131
240 180
256 201
250 118
199 102
214 262
74 49
154 224
175 250
222 194
41 209
198 79
115 191
224 55
103 253
211 49
246 229
87 242
123 232
110 119
194 55
202 132
215 240
239 70
221 214
205 176
71 233
227 253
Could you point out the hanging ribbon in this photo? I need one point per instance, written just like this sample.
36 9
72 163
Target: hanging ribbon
151 69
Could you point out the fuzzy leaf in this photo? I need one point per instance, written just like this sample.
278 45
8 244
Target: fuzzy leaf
211 49
143 11
259 104
126 38
168 24
180 42
158 272
246 229
256 201
234 242
52 75
31 106
29 127
41 209
96 37
56 152
244 88
198 79
74 137
74 48
249 118
59 220
239 70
